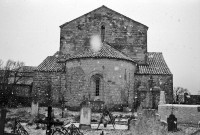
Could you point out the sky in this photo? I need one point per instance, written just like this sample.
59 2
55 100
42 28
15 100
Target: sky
29 30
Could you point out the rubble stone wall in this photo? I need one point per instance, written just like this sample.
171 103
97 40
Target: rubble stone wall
122 33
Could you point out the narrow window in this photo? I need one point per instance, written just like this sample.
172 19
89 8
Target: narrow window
97 81
102 33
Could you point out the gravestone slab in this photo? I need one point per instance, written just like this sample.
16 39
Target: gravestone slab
34 108
147 123
85 118
162 98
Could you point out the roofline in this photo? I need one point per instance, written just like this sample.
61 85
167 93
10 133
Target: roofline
49 71
96 10
132 61
152 74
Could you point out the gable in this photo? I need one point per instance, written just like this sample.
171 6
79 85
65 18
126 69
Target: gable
120 32
102 10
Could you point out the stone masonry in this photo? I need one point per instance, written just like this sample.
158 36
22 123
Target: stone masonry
114 74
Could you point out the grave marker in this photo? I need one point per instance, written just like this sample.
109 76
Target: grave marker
85 116
147 123
2 121
172 122
34 109
162 98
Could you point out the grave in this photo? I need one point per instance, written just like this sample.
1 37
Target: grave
34 109
85 116
185 114
147 123
49 121
162 98
2 120
172 122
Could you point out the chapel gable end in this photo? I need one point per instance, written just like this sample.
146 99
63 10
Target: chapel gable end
119 31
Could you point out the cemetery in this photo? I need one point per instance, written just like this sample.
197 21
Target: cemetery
169 119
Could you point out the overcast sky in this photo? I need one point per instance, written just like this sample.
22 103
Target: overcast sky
29 30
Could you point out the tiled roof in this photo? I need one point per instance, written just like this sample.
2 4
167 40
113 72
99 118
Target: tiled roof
155 65
50 64
106 51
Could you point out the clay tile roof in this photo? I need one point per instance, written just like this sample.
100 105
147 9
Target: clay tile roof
106 51
155 65
50 64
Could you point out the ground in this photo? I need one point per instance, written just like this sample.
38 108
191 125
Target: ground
73 117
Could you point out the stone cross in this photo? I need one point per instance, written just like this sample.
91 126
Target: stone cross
49 121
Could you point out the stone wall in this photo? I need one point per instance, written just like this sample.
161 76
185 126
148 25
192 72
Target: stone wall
117 80
47 85
122 33
163 82
76 84
185 114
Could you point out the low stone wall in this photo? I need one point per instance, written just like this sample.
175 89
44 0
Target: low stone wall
189 114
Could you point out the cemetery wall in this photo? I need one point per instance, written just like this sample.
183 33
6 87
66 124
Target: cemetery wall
185 114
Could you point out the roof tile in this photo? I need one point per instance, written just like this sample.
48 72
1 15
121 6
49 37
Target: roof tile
155 65
106 51
50 64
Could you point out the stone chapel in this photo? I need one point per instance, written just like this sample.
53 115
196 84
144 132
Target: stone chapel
119 71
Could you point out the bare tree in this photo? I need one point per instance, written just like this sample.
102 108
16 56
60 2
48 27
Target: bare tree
179 91
10 75
198 93
1 64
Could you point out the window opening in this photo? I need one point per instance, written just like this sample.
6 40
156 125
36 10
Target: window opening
97 81
102 33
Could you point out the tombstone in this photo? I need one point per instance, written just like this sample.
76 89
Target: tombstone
147 123
145 97
34 109
85 116
162 98
172 122
148 100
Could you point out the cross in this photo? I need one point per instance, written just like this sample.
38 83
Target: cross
49 121
173 108
2 120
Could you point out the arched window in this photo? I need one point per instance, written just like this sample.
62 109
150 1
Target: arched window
97 84
102 33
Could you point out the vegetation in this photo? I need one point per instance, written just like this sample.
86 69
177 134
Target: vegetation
10 75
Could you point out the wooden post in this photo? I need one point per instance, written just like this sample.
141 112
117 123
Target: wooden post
2 120
49 119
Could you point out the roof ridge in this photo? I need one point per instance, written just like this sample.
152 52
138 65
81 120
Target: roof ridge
154 52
